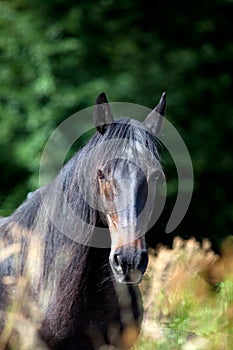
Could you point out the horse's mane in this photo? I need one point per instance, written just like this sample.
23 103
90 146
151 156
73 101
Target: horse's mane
123 130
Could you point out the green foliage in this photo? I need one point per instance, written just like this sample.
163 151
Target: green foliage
56 56
198 326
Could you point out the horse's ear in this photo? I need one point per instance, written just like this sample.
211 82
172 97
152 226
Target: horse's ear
154 120
102 113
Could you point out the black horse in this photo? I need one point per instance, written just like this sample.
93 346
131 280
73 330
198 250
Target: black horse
75 294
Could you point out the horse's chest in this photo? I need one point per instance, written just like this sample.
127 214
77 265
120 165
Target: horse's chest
109 313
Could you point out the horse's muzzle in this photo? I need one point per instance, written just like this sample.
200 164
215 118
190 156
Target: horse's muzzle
129 264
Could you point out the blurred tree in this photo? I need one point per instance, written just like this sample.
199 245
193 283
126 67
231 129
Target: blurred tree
56 56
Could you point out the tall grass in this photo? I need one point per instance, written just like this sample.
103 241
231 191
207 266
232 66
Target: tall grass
21 318
188 298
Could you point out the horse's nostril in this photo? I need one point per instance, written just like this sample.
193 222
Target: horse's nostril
117 259
143 261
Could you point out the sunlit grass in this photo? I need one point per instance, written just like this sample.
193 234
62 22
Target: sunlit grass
188 297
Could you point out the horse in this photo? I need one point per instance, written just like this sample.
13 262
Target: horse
69 292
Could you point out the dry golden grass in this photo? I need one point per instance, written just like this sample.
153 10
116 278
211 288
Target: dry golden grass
21 317
188 298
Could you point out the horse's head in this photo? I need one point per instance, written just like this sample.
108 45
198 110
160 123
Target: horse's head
126 184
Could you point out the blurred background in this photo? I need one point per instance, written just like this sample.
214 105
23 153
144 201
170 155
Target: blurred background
56 56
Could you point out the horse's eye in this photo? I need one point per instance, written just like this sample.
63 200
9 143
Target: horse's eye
156 176
100 174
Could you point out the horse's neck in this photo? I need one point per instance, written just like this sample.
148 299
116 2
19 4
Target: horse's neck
97 274
77 287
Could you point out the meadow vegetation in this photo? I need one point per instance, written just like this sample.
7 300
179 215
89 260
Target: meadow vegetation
188 298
